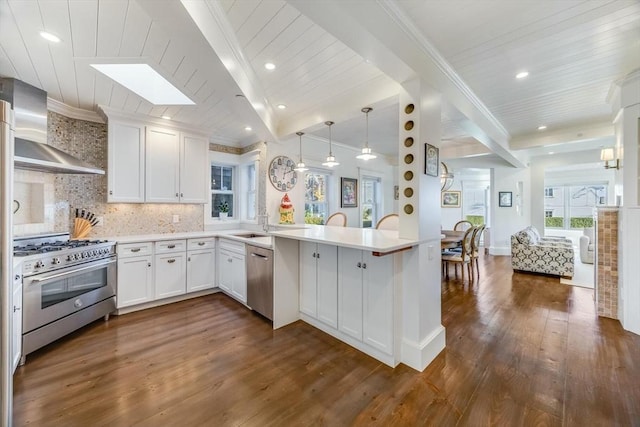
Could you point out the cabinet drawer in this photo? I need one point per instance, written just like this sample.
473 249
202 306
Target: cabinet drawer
232 246
127 250
205 243
167 246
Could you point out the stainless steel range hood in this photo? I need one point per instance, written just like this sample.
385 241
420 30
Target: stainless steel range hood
31 149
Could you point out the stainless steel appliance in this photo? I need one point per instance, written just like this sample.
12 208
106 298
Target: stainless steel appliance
260 280
66 285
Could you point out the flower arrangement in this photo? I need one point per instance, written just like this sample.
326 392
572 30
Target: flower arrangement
223 206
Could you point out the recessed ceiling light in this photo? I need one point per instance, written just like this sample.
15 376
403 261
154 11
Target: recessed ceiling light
542 127
281 106
270 66
166 117
146 82
522 75
552 152
248 128
50 37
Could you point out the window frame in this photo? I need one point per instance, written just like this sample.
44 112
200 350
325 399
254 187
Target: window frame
328 176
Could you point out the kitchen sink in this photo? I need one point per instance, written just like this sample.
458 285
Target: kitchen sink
250 235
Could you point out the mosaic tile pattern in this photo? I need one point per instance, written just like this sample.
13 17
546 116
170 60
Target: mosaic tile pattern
607 254
225 148
64 193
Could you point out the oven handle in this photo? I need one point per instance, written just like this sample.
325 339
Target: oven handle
72 272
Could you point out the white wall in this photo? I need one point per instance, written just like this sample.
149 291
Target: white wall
314 153
507 220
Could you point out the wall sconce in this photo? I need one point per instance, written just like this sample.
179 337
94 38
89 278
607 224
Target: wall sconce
607 155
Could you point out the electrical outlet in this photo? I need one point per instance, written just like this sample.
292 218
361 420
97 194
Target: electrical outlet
100 221
176 219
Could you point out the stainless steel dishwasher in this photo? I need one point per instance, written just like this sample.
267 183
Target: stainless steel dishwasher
260 280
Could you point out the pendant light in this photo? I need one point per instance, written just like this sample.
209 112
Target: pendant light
366 153
331 161
300 167
446 177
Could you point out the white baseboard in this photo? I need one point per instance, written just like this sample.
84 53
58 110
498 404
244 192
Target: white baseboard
419 355
151 304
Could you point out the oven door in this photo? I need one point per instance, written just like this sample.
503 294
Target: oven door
53 295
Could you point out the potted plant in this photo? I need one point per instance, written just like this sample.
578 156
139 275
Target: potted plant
223 208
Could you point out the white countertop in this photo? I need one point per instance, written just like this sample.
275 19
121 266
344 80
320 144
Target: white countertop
357 238
266 242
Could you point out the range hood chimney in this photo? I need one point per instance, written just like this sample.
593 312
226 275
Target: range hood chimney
31 150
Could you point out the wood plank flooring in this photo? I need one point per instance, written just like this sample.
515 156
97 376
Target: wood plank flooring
522 350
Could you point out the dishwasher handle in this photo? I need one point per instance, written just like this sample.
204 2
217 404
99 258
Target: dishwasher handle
266 258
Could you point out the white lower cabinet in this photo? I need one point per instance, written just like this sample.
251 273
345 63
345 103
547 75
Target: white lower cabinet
201 269
16 333
135 274
170 275
135 280
231 265
152 271
319 282
365 288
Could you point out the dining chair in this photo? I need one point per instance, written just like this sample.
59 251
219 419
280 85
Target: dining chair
338 219
463 257
462 225
475 247
388 222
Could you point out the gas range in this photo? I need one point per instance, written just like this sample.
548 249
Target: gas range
54 251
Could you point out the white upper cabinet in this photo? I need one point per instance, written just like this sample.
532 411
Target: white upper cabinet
193 169
126 162
155 164
163 165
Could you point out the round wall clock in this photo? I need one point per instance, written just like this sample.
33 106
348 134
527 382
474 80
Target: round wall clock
281 173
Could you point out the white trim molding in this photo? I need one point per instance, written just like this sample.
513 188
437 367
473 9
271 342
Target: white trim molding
72 112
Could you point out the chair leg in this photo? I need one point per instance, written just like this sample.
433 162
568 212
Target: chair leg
462 269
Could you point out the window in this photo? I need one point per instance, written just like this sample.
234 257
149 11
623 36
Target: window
572 206
316 206
370 201
251 191
222 190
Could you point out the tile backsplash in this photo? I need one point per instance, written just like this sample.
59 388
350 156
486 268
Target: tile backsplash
64 193
607 258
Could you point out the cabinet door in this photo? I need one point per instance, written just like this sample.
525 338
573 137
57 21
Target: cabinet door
16 333
135 281
308 281
162 165
239 289
377 274
327 277
193 169
201 270
225 263
350 292
126 168
170 275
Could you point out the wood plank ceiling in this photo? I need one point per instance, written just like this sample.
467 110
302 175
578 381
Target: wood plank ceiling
572 49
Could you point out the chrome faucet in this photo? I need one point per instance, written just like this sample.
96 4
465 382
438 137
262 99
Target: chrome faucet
265 223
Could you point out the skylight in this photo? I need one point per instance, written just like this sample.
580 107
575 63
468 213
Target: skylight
146 82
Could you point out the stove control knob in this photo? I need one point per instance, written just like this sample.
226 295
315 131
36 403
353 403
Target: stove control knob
76 256
39 264
70 257
55 261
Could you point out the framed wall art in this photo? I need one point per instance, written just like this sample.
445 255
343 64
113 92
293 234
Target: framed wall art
450 199
349 193
505 199
431 162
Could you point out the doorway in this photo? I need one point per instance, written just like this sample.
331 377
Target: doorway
370 196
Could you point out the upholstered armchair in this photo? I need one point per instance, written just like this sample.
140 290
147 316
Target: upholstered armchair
530 252
587 246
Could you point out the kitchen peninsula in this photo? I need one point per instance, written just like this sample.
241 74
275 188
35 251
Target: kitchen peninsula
347 282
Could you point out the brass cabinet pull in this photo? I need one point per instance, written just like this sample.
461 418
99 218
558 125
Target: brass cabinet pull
171 261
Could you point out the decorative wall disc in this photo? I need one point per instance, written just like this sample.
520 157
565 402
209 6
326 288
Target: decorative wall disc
408 209
408 192
408 159
408 175
408 125
409 109
408 142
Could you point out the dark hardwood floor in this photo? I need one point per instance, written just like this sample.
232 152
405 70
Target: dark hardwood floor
522 350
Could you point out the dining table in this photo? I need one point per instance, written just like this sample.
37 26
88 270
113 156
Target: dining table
451 238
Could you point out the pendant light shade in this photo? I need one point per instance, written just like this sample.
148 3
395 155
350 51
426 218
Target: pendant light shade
366 153
331 160
446 177
300 167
